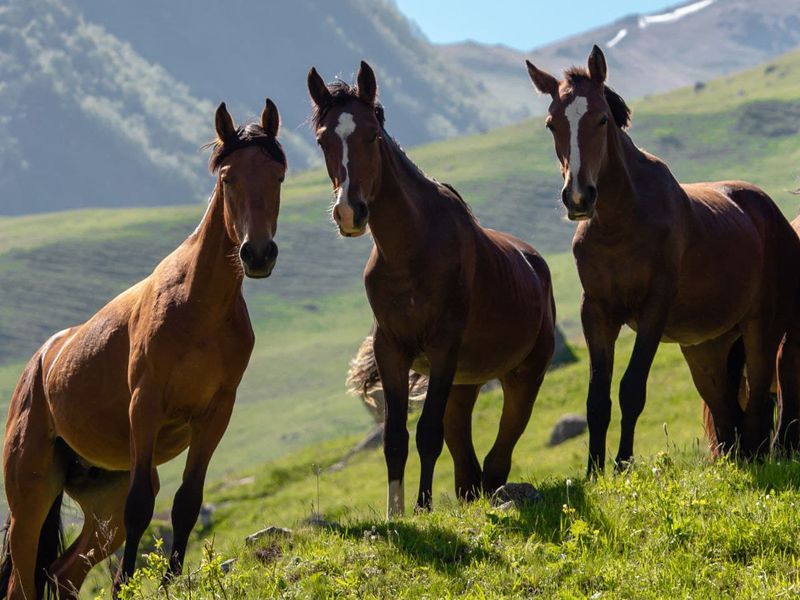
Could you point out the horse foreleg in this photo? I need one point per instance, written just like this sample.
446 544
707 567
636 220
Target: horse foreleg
633 387
430 427
206 435
600 331
393 366
145 415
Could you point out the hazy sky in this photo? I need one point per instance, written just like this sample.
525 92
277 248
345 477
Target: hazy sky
522 24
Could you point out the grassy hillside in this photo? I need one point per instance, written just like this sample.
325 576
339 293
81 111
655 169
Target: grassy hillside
673 528
57 269
676 526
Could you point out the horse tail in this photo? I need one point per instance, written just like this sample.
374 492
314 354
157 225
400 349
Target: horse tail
364 380
5 562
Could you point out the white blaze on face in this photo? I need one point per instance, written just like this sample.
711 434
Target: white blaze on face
395 501
344 128
574 112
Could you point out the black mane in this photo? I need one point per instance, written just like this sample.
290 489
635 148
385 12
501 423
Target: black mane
342 93
619 109
250 134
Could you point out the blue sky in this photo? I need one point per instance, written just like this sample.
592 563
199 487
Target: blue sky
521 24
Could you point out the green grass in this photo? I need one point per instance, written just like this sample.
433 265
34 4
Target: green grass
673 528
677 525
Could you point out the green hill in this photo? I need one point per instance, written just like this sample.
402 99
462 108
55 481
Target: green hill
57 269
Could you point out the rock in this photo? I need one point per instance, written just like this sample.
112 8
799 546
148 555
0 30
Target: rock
568 426
317 520
519 494
227 565
267 533
206 516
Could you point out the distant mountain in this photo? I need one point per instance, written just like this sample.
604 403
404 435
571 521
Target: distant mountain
106 102
647 54
84 120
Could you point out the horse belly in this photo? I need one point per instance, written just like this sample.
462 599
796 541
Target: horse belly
714 296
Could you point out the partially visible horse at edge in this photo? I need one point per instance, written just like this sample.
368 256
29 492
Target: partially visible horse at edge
786 392
711 266
101 405
451 299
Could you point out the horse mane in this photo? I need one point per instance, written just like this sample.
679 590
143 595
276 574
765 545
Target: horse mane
619 109
341 93
249 134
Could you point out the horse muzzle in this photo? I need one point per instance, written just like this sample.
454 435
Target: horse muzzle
580 205
258 261
351 218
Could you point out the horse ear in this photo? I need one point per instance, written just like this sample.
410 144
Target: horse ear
317 88
270 119
597 66
223 123
367 84
542 81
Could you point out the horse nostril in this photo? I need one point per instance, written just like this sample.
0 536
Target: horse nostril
566 193
591 195
336 216
246 253
360 214
272 252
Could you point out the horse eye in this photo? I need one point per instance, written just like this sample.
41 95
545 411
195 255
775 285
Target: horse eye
373 137
280 180
603 120
549 125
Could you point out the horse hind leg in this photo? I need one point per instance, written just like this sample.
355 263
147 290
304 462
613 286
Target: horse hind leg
716 367
33 472
520 388
458 436
761 349
789 392
101 497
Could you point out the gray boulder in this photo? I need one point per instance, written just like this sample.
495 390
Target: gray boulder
568 426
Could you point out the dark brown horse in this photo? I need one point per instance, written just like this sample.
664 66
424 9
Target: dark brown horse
154 372
453 300
703 265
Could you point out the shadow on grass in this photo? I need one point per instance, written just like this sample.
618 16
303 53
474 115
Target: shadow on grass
779 474
549 518
430 545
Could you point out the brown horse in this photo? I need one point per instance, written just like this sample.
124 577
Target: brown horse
700 264
457 302
152 373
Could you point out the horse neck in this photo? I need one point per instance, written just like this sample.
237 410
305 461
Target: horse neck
397 214
616 200
212 272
